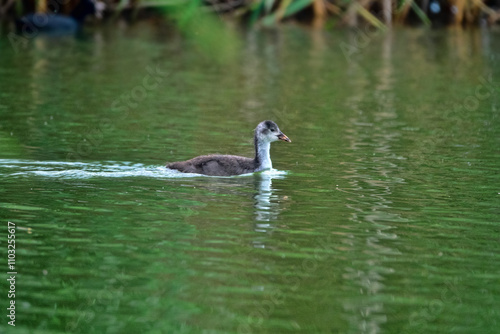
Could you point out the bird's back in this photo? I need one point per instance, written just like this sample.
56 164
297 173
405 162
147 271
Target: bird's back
215 165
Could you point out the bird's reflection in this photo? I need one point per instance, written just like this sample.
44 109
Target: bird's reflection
267 206
268 201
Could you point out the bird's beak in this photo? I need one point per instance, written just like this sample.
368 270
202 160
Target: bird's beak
283 137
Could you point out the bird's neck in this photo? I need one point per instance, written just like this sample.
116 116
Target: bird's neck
262 155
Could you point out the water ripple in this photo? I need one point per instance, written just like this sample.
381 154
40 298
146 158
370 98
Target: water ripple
82 170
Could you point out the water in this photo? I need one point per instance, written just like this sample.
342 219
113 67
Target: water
381 216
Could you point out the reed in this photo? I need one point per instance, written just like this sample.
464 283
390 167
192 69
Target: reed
266 13
378 13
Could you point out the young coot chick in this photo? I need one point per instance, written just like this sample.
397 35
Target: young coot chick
56 24
225 165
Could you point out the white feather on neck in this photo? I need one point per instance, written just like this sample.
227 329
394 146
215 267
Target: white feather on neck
263 153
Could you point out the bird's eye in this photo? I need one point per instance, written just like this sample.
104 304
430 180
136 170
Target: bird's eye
273 130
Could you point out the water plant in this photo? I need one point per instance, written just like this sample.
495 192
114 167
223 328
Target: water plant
266 13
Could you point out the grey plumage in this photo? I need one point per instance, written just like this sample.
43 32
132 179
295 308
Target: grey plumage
226 165
217 165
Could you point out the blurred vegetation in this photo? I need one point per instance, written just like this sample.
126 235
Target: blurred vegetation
207 32
190 14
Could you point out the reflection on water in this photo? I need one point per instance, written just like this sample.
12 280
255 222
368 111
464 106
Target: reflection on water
371 179
267 205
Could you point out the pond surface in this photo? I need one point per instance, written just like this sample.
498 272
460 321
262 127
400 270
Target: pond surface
381 216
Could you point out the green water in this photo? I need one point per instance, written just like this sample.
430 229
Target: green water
382 215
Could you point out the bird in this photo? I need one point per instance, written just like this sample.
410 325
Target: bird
54 24
226 165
